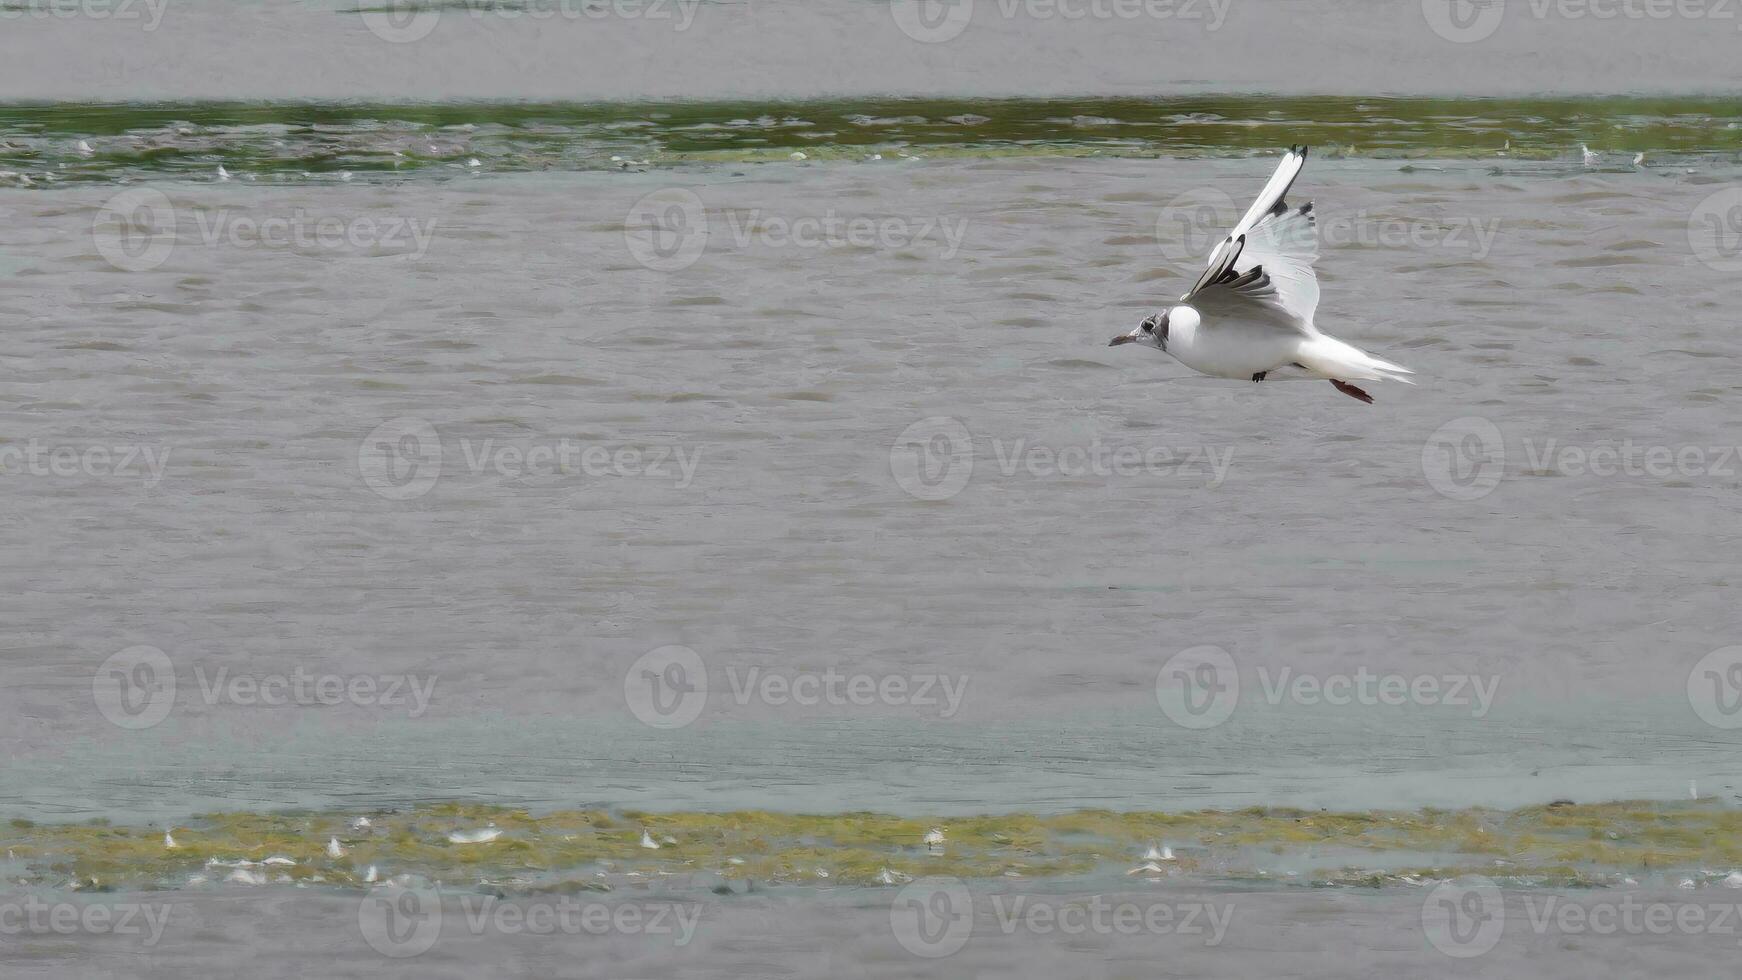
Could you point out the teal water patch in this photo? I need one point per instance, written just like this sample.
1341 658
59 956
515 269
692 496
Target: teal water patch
1517 751
11 265
46 144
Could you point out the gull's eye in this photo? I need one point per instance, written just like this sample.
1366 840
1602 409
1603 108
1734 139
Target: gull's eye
1149 325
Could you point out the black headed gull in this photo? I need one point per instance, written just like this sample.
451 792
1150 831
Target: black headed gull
1250 314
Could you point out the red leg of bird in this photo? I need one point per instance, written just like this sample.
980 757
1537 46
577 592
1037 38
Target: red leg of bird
1352 391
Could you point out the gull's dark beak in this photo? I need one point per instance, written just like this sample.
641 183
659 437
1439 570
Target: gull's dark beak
1123 338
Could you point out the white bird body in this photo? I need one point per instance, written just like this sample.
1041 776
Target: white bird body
1233 350
1240 349
1250 313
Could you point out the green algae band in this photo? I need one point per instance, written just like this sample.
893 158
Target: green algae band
44 144
513 849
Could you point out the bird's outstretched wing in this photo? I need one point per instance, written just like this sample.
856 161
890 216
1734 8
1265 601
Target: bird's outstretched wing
1264 268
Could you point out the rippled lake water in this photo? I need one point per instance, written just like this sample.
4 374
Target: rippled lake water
724 468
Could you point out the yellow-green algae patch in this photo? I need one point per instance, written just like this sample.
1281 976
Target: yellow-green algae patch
291 142
1556 844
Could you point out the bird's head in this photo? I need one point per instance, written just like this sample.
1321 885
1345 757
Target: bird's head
1156 329
1152 332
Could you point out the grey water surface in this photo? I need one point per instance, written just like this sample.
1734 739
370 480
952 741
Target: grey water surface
597 50
742 457
1001 929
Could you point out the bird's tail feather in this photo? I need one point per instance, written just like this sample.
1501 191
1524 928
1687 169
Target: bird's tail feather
1331 358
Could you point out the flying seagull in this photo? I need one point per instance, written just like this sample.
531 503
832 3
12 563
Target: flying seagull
1250 314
